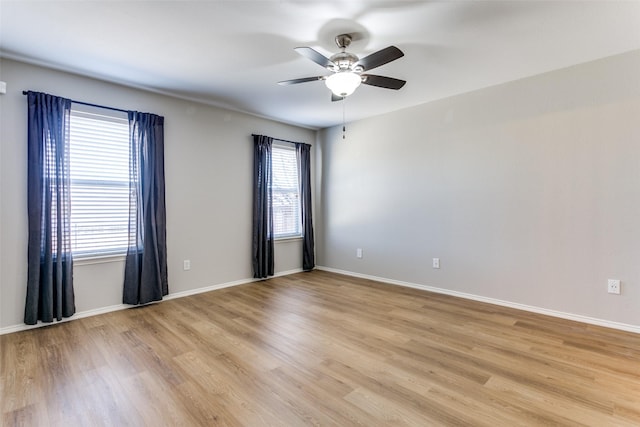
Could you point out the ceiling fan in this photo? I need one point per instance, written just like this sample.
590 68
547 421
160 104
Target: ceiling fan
348 69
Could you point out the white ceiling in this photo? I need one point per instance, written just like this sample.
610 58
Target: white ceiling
232 53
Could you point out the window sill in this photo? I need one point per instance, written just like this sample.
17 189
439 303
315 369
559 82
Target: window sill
99 259
287 239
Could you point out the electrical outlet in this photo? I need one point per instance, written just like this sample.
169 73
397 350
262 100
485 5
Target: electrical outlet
359 253
436 263
613 286
186 264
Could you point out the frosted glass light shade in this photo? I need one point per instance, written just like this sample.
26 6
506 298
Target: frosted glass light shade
343 83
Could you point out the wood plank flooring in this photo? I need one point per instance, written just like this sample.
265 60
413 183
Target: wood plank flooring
320 349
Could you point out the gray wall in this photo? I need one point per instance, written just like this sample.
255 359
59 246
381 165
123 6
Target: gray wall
209 167
528 192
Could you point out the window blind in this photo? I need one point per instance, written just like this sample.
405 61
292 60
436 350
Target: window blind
99 163
285 192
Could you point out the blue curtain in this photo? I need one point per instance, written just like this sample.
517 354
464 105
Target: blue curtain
50 263
146 261
303 154
262 249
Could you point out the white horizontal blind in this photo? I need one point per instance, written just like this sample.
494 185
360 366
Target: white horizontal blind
285 192
99 162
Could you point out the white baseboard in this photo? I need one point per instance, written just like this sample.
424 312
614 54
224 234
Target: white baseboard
533 309
102 310
539 310
79 315
226 285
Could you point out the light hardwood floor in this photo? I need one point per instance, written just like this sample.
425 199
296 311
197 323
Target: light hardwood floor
320 349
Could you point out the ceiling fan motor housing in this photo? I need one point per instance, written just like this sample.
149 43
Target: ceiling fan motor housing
344 61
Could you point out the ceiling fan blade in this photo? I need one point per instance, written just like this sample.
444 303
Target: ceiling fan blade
302 80
335 97
382 81
315 56
380 57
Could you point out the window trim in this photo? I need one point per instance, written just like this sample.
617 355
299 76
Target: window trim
277 144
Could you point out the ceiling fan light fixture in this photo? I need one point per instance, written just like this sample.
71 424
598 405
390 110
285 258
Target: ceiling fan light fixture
343 83
347 69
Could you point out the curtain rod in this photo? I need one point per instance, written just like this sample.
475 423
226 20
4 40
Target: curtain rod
24 92
281 140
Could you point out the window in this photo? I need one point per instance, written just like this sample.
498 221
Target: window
285 192
99 163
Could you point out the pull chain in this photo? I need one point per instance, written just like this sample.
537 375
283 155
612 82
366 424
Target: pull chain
344 127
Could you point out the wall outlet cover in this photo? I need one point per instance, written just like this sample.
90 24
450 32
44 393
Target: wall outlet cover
613 286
